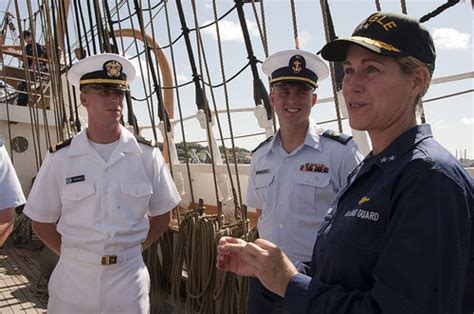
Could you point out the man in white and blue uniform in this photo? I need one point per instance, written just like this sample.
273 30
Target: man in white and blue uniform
11 194
111 195
295 175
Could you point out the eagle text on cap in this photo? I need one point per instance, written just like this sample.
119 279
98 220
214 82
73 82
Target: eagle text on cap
379 19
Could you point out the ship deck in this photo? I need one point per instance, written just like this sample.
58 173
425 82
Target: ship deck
21 286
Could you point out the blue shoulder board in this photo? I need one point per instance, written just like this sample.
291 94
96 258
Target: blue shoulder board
262 143
339 137
55 147
145 141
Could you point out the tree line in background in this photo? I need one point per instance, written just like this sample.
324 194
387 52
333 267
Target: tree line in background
197 153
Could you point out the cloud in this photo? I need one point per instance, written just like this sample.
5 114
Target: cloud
467 121
182 78
451 39
230 30
208 4
441 124
135 63
304 38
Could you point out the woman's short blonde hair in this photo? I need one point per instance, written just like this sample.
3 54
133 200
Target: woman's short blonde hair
408 65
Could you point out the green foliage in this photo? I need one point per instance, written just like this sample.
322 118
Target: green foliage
198 153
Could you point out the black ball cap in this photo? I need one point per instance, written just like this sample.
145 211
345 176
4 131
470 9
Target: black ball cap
388 34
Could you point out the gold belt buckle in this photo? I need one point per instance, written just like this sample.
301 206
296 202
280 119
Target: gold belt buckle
109 259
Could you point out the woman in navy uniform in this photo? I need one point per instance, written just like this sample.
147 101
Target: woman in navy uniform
398 238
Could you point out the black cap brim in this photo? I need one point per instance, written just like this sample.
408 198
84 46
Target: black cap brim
106 87
337 49
294 80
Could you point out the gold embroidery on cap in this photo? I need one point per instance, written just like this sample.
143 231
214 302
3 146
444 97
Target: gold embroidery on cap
376 43
113 68
296 66
379 19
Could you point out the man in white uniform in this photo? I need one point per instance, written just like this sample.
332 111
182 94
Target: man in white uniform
295 175
11 194
100 198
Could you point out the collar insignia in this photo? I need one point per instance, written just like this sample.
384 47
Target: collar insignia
363 200
386 159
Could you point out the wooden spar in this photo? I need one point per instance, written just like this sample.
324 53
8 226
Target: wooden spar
65 5
3 34
162 61
165 72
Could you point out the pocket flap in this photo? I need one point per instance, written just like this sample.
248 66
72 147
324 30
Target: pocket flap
263 180
136 189
77 191
312 179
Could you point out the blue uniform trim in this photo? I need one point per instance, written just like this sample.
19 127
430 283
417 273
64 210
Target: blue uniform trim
149 142
55 147
339 137
262 143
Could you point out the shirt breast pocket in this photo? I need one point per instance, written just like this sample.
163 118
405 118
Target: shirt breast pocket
263 184
310 188
135 197
78 202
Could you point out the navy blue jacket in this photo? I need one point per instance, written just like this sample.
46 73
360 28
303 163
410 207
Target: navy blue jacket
30 52
398 238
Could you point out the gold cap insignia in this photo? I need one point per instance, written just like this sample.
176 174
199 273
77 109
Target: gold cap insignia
113 68
296 66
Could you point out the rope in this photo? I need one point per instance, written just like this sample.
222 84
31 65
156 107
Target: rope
295 26
327 25
377 5
162 111
404 6
150 108
178 100
262 30
449 95
230 178
438 10
78 9
229 121
33 118
91 26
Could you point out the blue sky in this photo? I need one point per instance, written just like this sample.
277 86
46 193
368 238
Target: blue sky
452 119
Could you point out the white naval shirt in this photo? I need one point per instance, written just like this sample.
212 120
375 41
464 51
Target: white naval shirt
11 194
293 195
102 206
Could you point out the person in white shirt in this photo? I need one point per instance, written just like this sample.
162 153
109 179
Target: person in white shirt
11 194
295 175
100 198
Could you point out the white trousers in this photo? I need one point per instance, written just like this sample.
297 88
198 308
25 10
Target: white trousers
80 284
